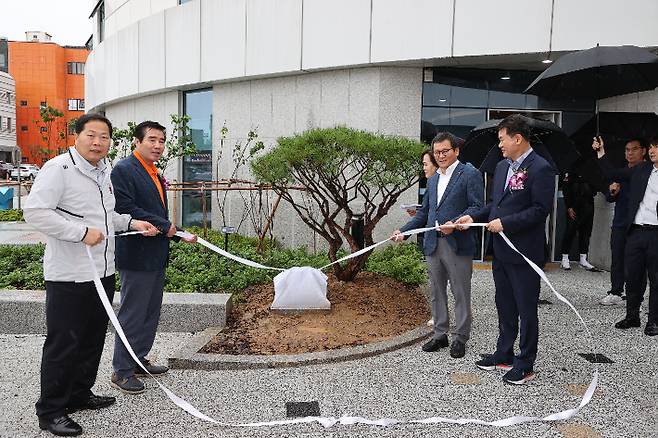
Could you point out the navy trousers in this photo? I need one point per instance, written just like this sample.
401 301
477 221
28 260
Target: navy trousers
139 315
517 296
641 259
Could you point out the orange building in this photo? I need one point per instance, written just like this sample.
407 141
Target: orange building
46 74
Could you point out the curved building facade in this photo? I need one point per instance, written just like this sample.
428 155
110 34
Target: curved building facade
391 66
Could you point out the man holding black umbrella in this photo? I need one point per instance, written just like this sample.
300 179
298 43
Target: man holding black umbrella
641 253
618 192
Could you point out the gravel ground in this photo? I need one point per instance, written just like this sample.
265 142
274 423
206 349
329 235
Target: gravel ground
406 384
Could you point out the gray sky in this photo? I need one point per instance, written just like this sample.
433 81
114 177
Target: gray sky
66 20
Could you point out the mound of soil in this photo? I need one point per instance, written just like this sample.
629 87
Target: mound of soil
370 309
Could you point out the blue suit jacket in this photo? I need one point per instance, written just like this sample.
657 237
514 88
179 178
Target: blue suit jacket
137 195
522 212
464 195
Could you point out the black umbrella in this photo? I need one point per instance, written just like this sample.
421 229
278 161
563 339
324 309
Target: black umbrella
598 73
616 129
548 140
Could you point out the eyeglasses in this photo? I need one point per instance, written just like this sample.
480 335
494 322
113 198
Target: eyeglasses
442 152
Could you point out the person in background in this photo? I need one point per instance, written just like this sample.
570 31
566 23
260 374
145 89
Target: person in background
579 202
641 252
635 152
430 167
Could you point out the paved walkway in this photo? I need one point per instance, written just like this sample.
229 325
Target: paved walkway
405 384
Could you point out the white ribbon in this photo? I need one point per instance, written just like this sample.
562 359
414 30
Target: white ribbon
349 420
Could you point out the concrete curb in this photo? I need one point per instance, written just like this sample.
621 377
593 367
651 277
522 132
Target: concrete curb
188 357
23 311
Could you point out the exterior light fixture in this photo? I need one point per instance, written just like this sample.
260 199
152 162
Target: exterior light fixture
547 61
506 77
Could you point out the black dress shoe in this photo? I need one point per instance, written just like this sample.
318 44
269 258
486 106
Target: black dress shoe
60 426
457 349
92 402
435 344
628 323
651 329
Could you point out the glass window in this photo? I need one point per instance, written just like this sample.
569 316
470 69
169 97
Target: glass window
23 128
101 22
198 106
75 68
23 102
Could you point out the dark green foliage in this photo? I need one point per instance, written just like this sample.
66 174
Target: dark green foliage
21 266
194 268
403 262
11 215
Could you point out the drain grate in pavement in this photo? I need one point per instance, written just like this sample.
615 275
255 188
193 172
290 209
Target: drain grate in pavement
596 358
302 409
545 302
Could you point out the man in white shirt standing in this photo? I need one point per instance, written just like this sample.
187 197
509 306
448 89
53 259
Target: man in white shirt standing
641 253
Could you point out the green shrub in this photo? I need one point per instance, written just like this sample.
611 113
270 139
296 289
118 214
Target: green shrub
11 215
194 268
402 262
21 266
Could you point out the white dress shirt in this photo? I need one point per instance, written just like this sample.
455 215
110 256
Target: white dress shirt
646 212
444 179
515 165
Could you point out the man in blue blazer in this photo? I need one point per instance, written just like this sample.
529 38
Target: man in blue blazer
522 197
140 191
456 189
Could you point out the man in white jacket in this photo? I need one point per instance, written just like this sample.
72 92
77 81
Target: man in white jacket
72 203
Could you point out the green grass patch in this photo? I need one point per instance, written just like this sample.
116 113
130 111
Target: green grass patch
11 215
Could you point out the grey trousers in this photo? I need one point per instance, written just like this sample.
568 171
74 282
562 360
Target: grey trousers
139 314
446 266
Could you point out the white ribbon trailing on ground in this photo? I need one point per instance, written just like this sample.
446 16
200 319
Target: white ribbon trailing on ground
346 419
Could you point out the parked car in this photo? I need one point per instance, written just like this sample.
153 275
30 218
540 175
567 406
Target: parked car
28 171
5 168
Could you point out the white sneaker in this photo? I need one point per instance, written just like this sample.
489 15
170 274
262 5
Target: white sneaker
565 265
586 265
611 300
430 323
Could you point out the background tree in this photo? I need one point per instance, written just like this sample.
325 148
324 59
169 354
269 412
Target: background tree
52 133
346 173
243 152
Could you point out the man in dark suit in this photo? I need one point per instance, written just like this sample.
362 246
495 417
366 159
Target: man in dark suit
641 252
454 190
635 151
523 191
141 192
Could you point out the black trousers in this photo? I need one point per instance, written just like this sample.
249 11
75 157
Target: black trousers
76 324
517 297
582 225
640 259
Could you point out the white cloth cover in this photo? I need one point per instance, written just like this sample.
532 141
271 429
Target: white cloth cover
300 288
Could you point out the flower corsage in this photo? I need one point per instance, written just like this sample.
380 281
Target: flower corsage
517 180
